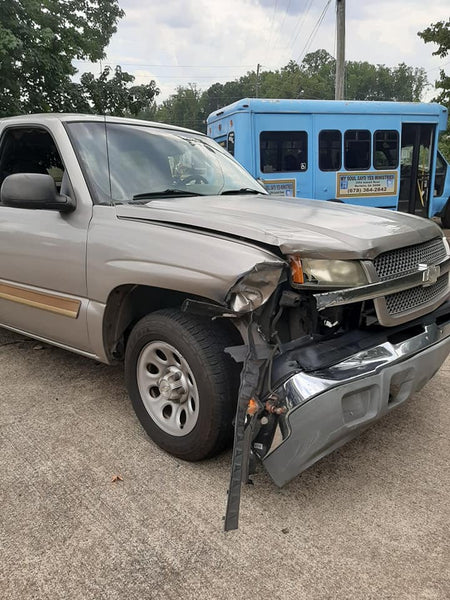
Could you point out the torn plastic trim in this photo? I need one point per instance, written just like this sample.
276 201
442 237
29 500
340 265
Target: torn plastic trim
252 375
423 277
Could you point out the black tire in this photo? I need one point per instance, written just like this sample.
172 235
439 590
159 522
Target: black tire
445 216
199 348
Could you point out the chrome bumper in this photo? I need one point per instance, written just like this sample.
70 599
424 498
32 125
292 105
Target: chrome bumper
329 407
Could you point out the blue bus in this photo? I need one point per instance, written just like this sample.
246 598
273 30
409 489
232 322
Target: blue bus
381 154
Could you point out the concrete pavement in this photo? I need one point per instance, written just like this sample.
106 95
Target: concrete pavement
371 521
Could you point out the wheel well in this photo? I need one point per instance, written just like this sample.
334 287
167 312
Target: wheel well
127 304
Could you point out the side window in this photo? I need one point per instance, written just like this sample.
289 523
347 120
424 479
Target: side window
283 151
222 141
230 143
357 149
330 150
30 150
385 149
227 143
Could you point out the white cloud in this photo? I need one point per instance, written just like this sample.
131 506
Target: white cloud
204 41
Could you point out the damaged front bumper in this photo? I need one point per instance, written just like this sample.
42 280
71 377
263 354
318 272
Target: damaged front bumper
329 404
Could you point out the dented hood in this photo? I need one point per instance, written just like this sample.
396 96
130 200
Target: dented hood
310 227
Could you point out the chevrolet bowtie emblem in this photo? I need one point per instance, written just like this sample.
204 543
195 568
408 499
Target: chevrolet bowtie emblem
430 274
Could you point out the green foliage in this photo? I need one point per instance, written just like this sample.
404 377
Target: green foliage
39 41
365 81
112 94
183 108
439 33
312 78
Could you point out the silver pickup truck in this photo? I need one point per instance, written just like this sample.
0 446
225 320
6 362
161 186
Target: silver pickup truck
297 322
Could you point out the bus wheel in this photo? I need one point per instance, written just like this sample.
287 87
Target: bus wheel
445 216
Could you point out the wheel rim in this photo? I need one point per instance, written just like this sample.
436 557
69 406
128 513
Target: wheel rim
168 388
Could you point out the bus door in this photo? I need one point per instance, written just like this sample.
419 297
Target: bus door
283 153
416 168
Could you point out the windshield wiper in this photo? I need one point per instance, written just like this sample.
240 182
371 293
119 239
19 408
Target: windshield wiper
241 191
170 192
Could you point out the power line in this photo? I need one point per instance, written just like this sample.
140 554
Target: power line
439 67
314 32
269 44
300 24
175 66
280 28
183 77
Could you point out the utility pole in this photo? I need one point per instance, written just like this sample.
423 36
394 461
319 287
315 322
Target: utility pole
258 66
340 50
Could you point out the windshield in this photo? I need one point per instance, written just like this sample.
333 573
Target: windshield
132 163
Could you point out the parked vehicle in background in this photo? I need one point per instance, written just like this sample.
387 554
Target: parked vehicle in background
136 242
381 154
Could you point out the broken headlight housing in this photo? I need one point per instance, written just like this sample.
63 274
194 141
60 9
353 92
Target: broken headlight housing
327 272
254 288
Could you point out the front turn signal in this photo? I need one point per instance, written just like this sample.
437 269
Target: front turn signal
296 269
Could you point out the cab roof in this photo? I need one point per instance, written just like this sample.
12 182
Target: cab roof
43 118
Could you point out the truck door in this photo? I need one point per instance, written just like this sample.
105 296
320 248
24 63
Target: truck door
43 264
416 168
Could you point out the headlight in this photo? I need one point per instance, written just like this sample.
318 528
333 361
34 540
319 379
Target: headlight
254 288
324 272
446 245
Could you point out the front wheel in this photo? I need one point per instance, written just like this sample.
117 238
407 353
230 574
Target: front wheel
182 385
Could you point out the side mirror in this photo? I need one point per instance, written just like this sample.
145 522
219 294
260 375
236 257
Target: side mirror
33 190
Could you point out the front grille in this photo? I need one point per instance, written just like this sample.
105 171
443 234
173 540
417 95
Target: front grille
414 302
407 260
406 300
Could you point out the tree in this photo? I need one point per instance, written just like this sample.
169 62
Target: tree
439 33
365 81
312 78
38 42
183 108
113 95
317 76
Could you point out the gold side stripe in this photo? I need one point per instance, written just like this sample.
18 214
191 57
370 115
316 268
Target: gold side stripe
54 304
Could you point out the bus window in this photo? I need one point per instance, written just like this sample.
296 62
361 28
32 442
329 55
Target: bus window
330 150
356 149
385 149
222 141
230 143
282 151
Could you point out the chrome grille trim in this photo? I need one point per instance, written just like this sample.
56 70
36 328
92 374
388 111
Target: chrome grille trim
406 260
412 303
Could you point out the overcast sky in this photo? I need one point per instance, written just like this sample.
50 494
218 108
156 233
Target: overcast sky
177 42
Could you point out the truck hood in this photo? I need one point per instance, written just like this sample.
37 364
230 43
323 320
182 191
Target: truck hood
296 226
